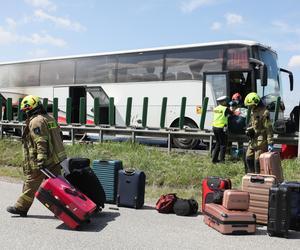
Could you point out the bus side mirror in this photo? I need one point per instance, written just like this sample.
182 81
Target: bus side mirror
291 77
263 72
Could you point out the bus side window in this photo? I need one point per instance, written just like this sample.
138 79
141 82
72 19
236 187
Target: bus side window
184 76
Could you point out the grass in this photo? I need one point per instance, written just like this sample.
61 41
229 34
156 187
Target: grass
175 172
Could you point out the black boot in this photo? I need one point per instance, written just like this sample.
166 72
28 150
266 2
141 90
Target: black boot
14 210
257 167
250 165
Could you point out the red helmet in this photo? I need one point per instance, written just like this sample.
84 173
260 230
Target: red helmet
236 97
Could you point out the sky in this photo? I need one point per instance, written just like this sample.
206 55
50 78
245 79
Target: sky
49 28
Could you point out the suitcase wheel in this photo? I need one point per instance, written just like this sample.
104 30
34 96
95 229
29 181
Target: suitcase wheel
271 234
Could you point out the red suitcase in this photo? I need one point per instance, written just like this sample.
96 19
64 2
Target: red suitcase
212 185
67 203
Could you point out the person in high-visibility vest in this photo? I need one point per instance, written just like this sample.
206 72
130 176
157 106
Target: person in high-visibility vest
220 123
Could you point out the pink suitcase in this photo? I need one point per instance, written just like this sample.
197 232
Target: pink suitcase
236 199
270 163
66 202
229 221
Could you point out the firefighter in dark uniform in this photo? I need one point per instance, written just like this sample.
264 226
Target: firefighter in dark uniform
220 123
259 131
42 147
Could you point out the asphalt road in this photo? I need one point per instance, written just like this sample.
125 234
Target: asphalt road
122 229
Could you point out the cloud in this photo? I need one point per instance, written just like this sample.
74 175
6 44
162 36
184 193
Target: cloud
216 26
59 21
191 5
44 4
11 23
38 39
38 53
285 28
233 19
294 62
6 37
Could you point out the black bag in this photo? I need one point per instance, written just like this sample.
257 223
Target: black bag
218 196
185 207
81 176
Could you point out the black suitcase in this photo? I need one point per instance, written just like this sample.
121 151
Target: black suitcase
78 172
279 211
107 173
131 190
294 204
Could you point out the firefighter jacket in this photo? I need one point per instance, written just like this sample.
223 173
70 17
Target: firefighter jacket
42 143
261 123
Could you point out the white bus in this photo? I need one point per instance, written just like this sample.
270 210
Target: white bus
192 71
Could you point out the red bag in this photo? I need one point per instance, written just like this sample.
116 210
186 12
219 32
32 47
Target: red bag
165 203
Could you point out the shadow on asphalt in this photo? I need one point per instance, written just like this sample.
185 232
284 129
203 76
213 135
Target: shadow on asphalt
42 217
263 231
98 222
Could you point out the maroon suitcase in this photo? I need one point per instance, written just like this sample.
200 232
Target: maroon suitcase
67 203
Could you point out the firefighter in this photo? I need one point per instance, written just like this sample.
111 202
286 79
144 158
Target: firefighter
220 123
259 131
43 148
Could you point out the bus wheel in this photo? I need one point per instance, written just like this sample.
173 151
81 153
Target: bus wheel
184 142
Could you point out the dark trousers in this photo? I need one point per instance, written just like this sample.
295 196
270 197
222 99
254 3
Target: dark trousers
220 147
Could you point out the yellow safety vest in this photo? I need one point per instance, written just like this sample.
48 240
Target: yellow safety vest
220 120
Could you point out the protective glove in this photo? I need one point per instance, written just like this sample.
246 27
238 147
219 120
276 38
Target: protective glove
250 132
270 147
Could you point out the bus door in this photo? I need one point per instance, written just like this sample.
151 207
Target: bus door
98 92
215 85
75 93
240 82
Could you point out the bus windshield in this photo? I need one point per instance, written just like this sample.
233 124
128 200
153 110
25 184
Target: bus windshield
273 86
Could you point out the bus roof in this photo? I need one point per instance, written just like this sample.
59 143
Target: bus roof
195 45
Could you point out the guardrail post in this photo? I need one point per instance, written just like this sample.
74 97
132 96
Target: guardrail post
128 111
277 106
203 113
82 110
20 112
111 111
69 110
182 112
45 103
1 102
163 112
9 113
96 111
145 112
55 108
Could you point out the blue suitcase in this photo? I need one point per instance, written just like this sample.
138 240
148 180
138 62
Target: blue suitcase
131 189
107 173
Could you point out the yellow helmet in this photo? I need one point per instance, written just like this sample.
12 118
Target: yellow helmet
252 99
29 102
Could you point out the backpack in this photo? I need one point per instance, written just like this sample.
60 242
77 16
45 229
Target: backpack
185 207
165 203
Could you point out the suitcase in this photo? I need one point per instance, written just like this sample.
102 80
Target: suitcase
236 199
107 173
270 163
258 187
279 211
131 188
81 176
229 221
213 186
294 204
66 202
288 151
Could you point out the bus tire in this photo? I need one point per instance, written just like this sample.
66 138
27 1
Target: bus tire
185 143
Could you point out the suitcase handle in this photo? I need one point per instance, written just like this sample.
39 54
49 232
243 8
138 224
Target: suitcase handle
257 179
129 171
74 193
47 172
